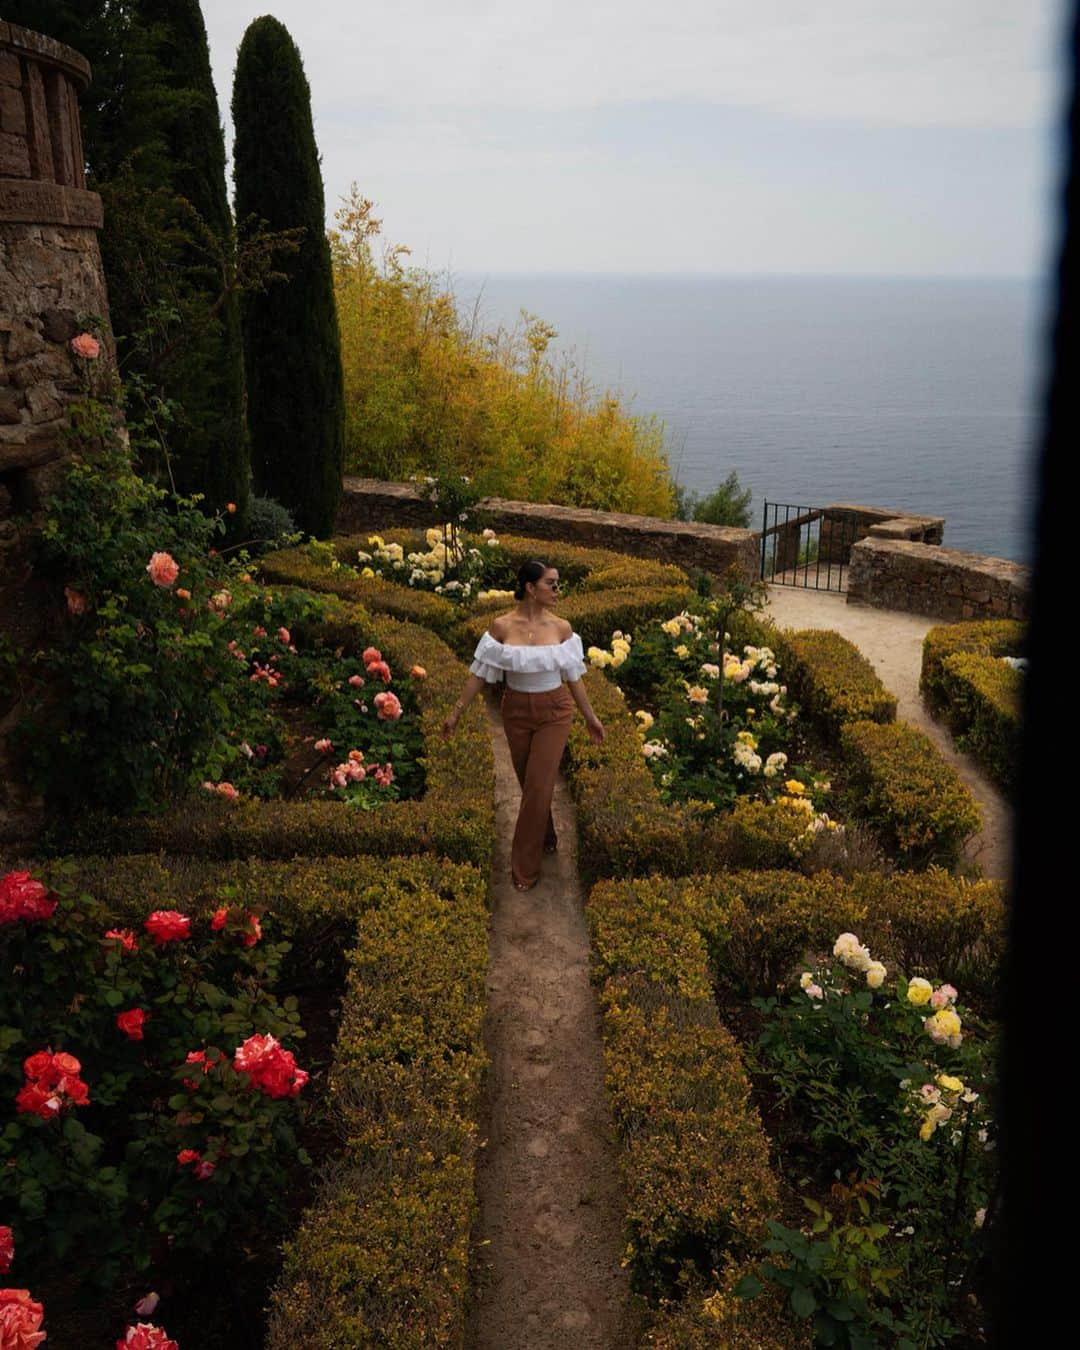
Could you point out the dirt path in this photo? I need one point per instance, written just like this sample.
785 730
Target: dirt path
892 642
549 1237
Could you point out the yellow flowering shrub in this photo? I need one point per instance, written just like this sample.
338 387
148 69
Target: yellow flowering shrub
902 788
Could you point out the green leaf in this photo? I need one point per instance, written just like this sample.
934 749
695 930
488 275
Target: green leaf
114 998
749 1286
803 1302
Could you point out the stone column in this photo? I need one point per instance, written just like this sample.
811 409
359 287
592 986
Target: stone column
51 288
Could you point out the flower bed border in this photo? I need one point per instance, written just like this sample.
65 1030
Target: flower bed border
455 817
905 791
416 988
658 945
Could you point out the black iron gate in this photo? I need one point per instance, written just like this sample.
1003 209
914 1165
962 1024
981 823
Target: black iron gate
808 546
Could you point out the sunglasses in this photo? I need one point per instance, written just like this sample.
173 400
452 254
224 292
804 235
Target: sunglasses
553 584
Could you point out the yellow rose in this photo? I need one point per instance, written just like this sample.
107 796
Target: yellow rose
919 991
949 1083
794 787
745 738
926 1129
367 572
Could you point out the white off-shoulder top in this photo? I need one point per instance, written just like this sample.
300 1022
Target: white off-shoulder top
532 670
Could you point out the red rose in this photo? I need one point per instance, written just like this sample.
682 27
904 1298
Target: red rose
20 1318
21 897
131 1023
204 1170
36 1100
7 1249
167 925
220 919
146 1336
188 1155
40 1066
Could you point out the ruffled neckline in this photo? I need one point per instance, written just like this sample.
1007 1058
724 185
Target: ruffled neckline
541 656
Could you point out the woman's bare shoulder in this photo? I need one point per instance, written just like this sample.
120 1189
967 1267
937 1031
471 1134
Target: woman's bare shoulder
566 629
500 626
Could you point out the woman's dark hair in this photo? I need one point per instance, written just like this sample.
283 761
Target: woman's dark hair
531 572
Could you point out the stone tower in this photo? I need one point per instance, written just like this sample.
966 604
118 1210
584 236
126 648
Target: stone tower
51 288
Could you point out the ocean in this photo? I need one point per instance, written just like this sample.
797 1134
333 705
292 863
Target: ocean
920 395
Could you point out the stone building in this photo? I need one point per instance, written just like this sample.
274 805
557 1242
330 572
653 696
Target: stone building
51 288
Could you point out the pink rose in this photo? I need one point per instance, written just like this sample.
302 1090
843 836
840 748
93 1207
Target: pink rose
204 1170
147 1304
218 922
146 1336
125 937
76 601
270 1068
324 746
283 634
356 681
418 673
20 1320
163 569
7 1248
131 1023
389 707
86 346
380 670
167 925
371 654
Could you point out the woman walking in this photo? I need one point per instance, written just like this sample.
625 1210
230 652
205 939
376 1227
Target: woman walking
542 660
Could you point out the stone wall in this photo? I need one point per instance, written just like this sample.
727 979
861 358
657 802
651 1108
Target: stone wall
370 504
51 286
943 583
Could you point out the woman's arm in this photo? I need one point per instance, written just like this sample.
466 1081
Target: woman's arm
581 698
473 685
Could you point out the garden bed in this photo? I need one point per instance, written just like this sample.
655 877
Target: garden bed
409 1041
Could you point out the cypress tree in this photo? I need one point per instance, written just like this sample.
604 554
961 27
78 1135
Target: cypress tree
292 352
204 371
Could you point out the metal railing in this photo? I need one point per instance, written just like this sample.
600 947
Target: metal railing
807 546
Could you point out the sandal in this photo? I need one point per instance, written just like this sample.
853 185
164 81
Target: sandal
523 885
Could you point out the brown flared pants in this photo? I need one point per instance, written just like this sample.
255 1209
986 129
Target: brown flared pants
537 727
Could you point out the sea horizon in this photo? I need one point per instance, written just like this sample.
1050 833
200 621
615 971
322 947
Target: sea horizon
919 393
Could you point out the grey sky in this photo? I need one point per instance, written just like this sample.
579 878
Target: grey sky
741 136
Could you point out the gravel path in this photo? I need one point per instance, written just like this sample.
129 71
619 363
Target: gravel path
550 1234
892 642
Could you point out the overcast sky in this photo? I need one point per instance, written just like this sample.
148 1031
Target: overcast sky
897 137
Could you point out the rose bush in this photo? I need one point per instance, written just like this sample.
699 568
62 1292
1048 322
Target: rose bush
147 1101
891 1080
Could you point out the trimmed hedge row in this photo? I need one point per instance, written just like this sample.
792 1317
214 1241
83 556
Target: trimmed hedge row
297 567
833 681
989 637
380 1257
903 789
984 712
455 817
695 1161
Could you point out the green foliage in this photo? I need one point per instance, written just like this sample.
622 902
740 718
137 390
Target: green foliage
833 1282
105 1176
144 688
292 354
986 637
270 525
728 504
427 392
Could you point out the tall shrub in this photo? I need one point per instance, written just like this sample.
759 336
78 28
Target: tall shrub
292 352
199 368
